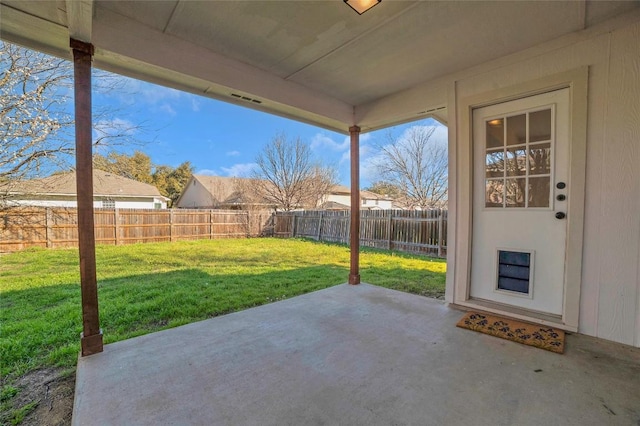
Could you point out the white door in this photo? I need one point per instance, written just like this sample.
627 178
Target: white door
520 191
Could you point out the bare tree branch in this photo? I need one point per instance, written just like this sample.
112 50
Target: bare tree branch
417 166
288 178
36 116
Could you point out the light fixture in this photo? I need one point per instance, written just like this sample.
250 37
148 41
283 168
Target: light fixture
361 6
495 123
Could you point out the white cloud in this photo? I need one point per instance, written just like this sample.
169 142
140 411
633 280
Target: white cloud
165 107
207 172
233 153
195 105
440 133
322 141
131 91
155 94
239 169
105 129
365 151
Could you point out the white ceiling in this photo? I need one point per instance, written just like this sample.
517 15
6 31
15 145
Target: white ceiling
314 61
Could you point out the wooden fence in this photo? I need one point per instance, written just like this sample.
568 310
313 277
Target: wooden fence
423 232
22 228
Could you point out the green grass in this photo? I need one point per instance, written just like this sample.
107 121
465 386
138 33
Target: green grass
148 287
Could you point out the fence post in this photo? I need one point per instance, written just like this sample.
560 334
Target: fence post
320 226
171 225
211 224
440 227
390 228
293 225
116 226
48 232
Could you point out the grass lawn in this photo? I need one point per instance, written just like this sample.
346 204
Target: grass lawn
149 287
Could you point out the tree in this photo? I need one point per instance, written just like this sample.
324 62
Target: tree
36 115
170 181
32 115
385 188
288 177
136 166
417 166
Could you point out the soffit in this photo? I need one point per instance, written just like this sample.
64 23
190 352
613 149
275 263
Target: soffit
309 60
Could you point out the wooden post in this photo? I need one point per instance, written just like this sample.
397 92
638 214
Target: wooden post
211 224
116 225
354 239
320 226
293 225
48 231
440 227
91 337
171 225
390 231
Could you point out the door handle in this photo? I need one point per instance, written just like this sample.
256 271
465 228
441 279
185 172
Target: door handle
560 215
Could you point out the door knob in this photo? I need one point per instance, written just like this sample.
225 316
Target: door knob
561 197
561 185
560 215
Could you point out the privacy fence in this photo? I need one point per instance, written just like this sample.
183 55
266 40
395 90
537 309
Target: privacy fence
423 232
22 228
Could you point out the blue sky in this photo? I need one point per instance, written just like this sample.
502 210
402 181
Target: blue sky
223 139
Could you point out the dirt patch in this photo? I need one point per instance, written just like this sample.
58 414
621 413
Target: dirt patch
52 390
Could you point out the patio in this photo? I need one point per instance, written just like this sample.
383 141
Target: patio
353 355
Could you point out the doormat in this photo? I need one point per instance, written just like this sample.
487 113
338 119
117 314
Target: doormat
539 336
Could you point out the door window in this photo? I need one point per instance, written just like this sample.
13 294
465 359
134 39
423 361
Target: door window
518 160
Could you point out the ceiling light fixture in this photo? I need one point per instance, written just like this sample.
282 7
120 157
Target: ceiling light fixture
361 6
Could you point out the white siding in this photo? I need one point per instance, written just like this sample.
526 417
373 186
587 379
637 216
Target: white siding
45 203
148 203
340 198
195 196
610 288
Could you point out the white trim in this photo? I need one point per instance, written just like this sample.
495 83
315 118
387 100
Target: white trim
532 255
576 81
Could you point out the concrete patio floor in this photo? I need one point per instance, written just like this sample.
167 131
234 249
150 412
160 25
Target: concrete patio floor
353 355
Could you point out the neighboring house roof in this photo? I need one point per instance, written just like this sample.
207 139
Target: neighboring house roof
343 190
340 189
224 191
332 205
104 184
373 196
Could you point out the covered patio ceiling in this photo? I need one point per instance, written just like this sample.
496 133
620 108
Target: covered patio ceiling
314 61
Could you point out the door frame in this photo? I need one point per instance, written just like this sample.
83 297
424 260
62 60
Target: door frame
576 81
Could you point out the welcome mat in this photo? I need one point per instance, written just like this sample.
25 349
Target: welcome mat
542 337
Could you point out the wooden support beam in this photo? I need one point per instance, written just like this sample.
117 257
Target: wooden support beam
354 241
80 19
91 337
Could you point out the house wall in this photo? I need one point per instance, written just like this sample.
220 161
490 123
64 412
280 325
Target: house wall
378 204
366 202
610 284
195 196
145 203
340 198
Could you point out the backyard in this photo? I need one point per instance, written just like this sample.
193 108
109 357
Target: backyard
149 287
